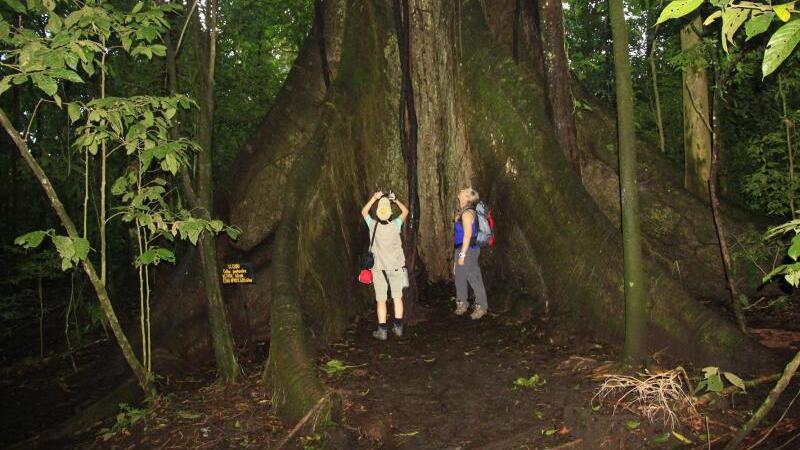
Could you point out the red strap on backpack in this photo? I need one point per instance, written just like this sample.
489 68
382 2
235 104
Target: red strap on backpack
491 225
365 276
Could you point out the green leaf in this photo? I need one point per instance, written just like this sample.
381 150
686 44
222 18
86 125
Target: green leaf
5 29
334 366
137 7
661 438
233 233
45 83
154 256
216 225
732 20
735 380
782 11
81 246
74 112
549 431
678 8
5 84
32 239
65 74
190 230
54 23
188 415
681 437
710 19
66 249
758 24
715 383
158 49
16 5
780 46
794 249
120 186
632 424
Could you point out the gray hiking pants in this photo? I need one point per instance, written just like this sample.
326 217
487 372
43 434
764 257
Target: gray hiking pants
470 274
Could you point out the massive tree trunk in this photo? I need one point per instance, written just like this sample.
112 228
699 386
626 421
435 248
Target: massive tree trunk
481 120
696 123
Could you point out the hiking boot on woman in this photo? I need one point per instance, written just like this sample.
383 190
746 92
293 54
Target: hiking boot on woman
466 268
388 271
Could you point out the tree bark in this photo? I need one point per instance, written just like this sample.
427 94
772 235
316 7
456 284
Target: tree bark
221 336
635 301
408 129
558 77
696 123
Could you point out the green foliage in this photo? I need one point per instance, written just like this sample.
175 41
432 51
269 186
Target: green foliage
756 18
72 251
780 45
769 186
529 383
678 8
713 381
335 366
127 417
789 271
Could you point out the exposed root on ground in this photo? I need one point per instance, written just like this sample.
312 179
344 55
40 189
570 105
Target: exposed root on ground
665 395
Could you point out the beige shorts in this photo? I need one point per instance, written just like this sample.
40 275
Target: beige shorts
395 282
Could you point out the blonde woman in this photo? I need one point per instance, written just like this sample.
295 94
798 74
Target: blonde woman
387 248
466 268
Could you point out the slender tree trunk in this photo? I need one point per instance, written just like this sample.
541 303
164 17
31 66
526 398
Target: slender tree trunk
221 336
558 77
696 123
635 307
716 150
789 125
651 56
100 288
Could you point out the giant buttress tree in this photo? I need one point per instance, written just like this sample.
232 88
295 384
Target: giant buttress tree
481 119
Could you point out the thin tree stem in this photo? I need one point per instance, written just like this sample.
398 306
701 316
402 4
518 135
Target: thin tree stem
88 267
766 407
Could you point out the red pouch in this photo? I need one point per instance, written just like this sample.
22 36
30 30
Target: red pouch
365 276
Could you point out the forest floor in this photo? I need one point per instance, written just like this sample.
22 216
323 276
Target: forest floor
448 383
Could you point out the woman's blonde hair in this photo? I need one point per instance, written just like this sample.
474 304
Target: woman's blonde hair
473 195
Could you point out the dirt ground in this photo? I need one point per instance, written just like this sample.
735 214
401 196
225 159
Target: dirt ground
448 383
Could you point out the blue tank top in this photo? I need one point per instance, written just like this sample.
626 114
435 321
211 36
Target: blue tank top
458 238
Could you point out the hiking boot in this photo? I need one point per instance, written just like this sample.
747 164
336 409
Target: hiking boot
397 330
478 312
461 308
380 334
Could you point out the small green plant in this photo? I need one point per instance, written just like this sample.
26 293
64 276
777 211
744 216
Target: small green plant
335 366
126 418
530 383
712 381
311 441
